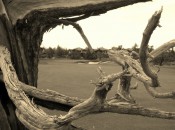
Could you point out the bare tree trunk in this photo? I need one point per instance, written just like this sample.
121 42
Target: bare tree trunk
7 108
123 91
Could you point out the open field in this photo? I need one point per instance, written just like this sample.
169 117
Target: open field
70 78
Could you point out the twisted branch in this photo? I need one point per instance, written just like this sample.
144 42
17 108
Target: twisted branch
27 112
96 100
143 52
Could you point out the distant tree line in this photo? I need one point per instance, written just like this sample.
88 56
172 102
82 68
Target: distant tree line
101 53
77 53
58 52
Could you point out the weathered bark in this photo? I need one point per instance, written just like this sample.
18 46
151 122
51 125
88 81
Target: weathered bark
27 112
33 117
7 37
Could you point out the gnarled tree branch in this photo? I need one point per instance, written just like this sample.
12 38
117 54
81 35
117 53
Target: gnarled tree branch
27 112
143 52
135 69
137 72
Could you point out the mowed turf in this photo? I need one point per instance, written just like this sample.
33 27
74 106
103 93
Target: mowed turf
72 79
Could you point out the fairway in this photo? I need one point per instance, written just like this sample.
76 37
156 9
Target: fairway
73 79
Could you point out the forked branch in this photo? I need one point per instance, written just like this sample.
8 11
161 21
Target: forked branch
96 100
137 72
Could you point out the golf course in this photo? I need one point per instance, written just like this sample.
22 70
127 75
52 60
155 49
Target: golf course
73 79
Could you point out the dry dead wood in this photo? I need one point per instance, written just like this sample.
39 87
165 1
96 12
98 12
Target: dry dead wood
28 112
137 72
139 68
143 51
34 118
96 101
49 95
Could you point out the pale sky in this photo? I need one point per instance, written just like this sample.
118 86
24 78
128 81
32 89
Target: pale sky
123 26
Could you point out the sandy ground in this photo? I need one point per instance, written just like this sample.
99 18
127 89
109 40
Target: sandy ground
71 78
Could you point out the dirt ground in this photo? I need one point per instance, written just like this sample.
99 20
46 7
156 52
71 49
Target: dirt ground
73 79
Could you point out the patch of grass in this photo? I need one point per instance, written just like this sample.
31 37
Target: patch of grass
70 78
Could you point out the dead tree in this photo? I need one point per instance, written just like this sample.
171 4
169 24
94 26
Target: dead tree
22 27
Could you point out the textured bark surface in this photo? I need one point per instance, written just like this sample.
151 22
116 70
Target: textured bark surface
7 109
27 112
